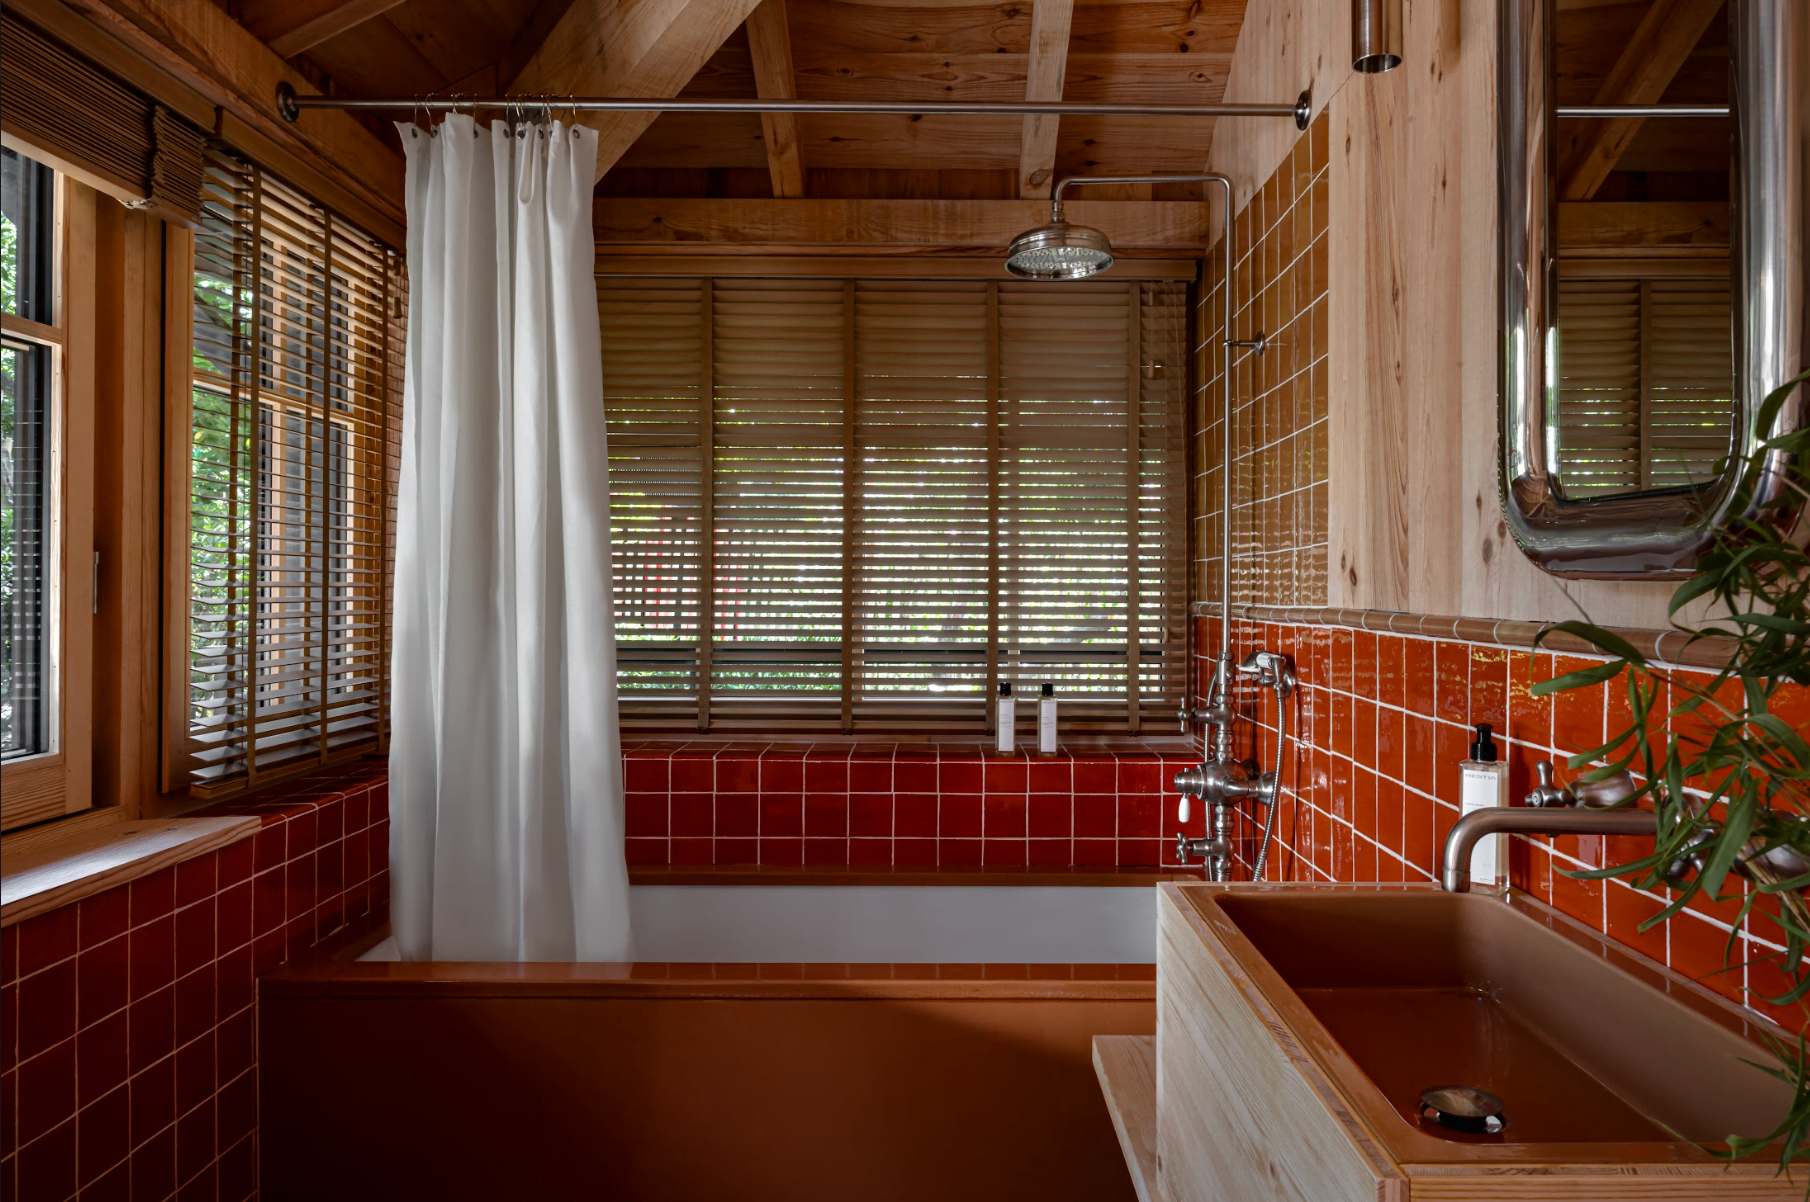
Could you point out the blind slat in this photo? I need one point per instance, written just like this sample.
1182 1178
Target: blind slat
295 433
1646 384
962 500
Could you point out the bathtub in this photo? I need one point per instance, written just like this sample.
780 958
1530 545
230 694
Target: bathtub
806 1036
867 924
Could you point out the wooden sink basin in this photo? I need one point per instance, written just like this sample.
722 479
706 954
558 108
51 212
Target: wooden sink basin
1298 1026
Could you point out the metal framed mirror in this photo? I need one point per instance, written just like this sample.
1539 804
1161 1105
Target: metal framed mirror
1633 364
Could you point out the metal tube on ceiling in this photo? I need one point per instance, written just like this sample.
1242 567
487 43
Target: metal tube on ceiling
1641 110
1376 36
290 105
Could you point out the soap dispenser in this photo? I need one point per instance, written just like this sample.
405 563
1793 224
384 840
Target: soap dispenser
1483 782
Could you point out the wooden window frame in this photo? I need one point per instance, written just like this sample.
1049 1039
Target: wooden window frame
60 781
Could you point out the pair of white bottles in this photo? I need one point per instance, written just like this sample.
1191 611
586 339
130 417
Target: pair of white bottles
1006 729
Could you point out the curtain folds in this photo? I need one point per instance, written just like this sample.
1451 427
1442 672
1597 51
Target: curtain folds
505 770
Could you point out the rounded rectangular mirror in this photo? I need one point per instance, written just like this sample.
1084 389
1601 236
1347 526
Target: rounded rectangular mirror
1653 224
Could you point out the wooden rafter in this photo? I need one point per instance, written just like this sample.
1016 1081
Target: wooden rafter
1643 227
628 48
291 27
1661 43
528 40
770 46
1050 24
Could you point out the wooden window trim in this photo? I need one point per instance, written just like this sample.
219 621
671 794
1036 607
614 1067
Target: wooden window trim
60 781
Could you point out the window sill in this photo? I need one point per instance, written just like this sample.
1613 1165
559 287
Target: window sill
45 876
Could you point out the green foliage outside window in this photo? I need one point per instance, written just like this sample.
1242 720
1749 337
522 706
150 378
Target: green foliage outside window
223 443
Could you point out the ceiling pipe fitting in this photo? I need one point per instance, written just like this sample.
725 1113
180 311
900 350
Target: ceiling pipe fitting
1376 36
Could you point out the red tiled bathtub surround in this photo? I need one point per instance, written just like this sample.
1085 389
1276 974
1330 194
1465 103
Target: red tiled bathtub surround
129 1065
1372 787
898 804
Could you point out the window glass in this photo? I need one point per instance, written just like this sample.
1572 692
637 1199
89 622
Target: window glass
26 500
27 228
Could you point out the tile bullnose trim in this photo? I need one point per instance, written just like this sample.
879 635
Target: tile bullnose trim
1664 646
57 873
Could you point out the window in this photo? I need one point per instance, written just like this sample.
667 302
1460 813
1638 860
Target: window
46 521
857 505
1646 395
295 422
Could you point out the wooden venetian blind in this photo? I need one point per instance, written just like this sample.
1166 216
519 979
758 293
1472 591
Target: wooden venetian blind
859 504
1646 384
64 106
296 423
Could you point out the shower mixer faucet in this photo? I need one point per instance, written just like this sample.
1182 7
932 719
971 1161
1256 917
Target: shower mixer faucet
1222 780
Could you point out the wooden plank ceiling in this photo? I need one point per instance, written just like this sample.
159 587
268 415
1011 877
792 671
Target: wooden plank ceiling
937 51
700 167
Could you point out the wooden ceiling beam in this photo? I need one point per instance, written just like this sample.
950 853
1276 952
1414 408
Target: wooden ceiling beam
1596 228
770 45
329 154
1051 21
877 226
1662 42
291 27
528 40
628 48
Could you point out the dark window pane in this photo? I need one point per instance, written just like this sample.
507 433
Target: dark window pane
24 549
27 224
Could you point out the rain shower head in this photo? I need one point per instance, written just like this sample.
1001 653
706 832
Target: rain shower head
1059 251
1062 250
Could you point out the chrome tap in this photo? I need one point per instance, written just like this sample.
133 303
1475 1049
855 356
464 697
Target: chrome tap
1217 712
1547 810
1222 780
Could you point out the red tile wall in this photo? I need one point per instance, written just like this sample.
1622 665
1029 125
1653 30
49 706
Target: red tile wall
904 804
128 1041
1373 785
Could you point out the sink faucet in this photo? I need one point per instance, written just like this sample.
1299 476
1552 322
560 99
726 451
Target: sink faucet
1547 810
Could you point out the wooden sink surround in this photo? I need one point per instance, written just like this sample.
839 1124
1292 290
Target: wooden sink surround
1294 1025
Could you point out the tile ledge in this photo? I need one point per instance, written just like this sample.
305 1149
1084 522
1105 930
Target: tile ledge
52 874
1673 647
910 876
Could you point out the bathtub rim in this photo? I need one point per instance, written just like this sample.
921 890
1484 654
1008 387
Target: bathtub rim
333 968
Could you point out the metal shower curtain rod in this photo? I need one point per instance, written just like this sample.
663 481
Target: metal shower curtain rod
290 105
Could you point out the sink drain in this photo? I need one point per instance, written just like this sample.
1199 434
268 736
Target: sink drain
1463 1108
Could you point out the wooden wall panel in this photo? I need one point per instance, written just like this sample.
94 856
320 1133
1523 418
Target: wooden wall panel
1413 408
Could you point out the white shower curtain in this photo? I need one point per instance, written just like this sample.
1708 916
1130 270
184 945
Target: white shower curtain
505 770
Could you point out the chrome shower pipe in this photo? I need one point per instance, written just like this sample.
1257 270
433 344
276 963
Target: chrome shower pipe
290 104
1228 345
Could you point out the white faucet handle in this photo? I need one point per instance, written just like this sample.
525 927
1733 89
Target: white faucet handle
1184 809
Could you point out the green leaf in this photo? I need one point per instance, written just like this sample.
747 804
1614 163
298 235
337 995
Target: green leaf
1594 674
1596 636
